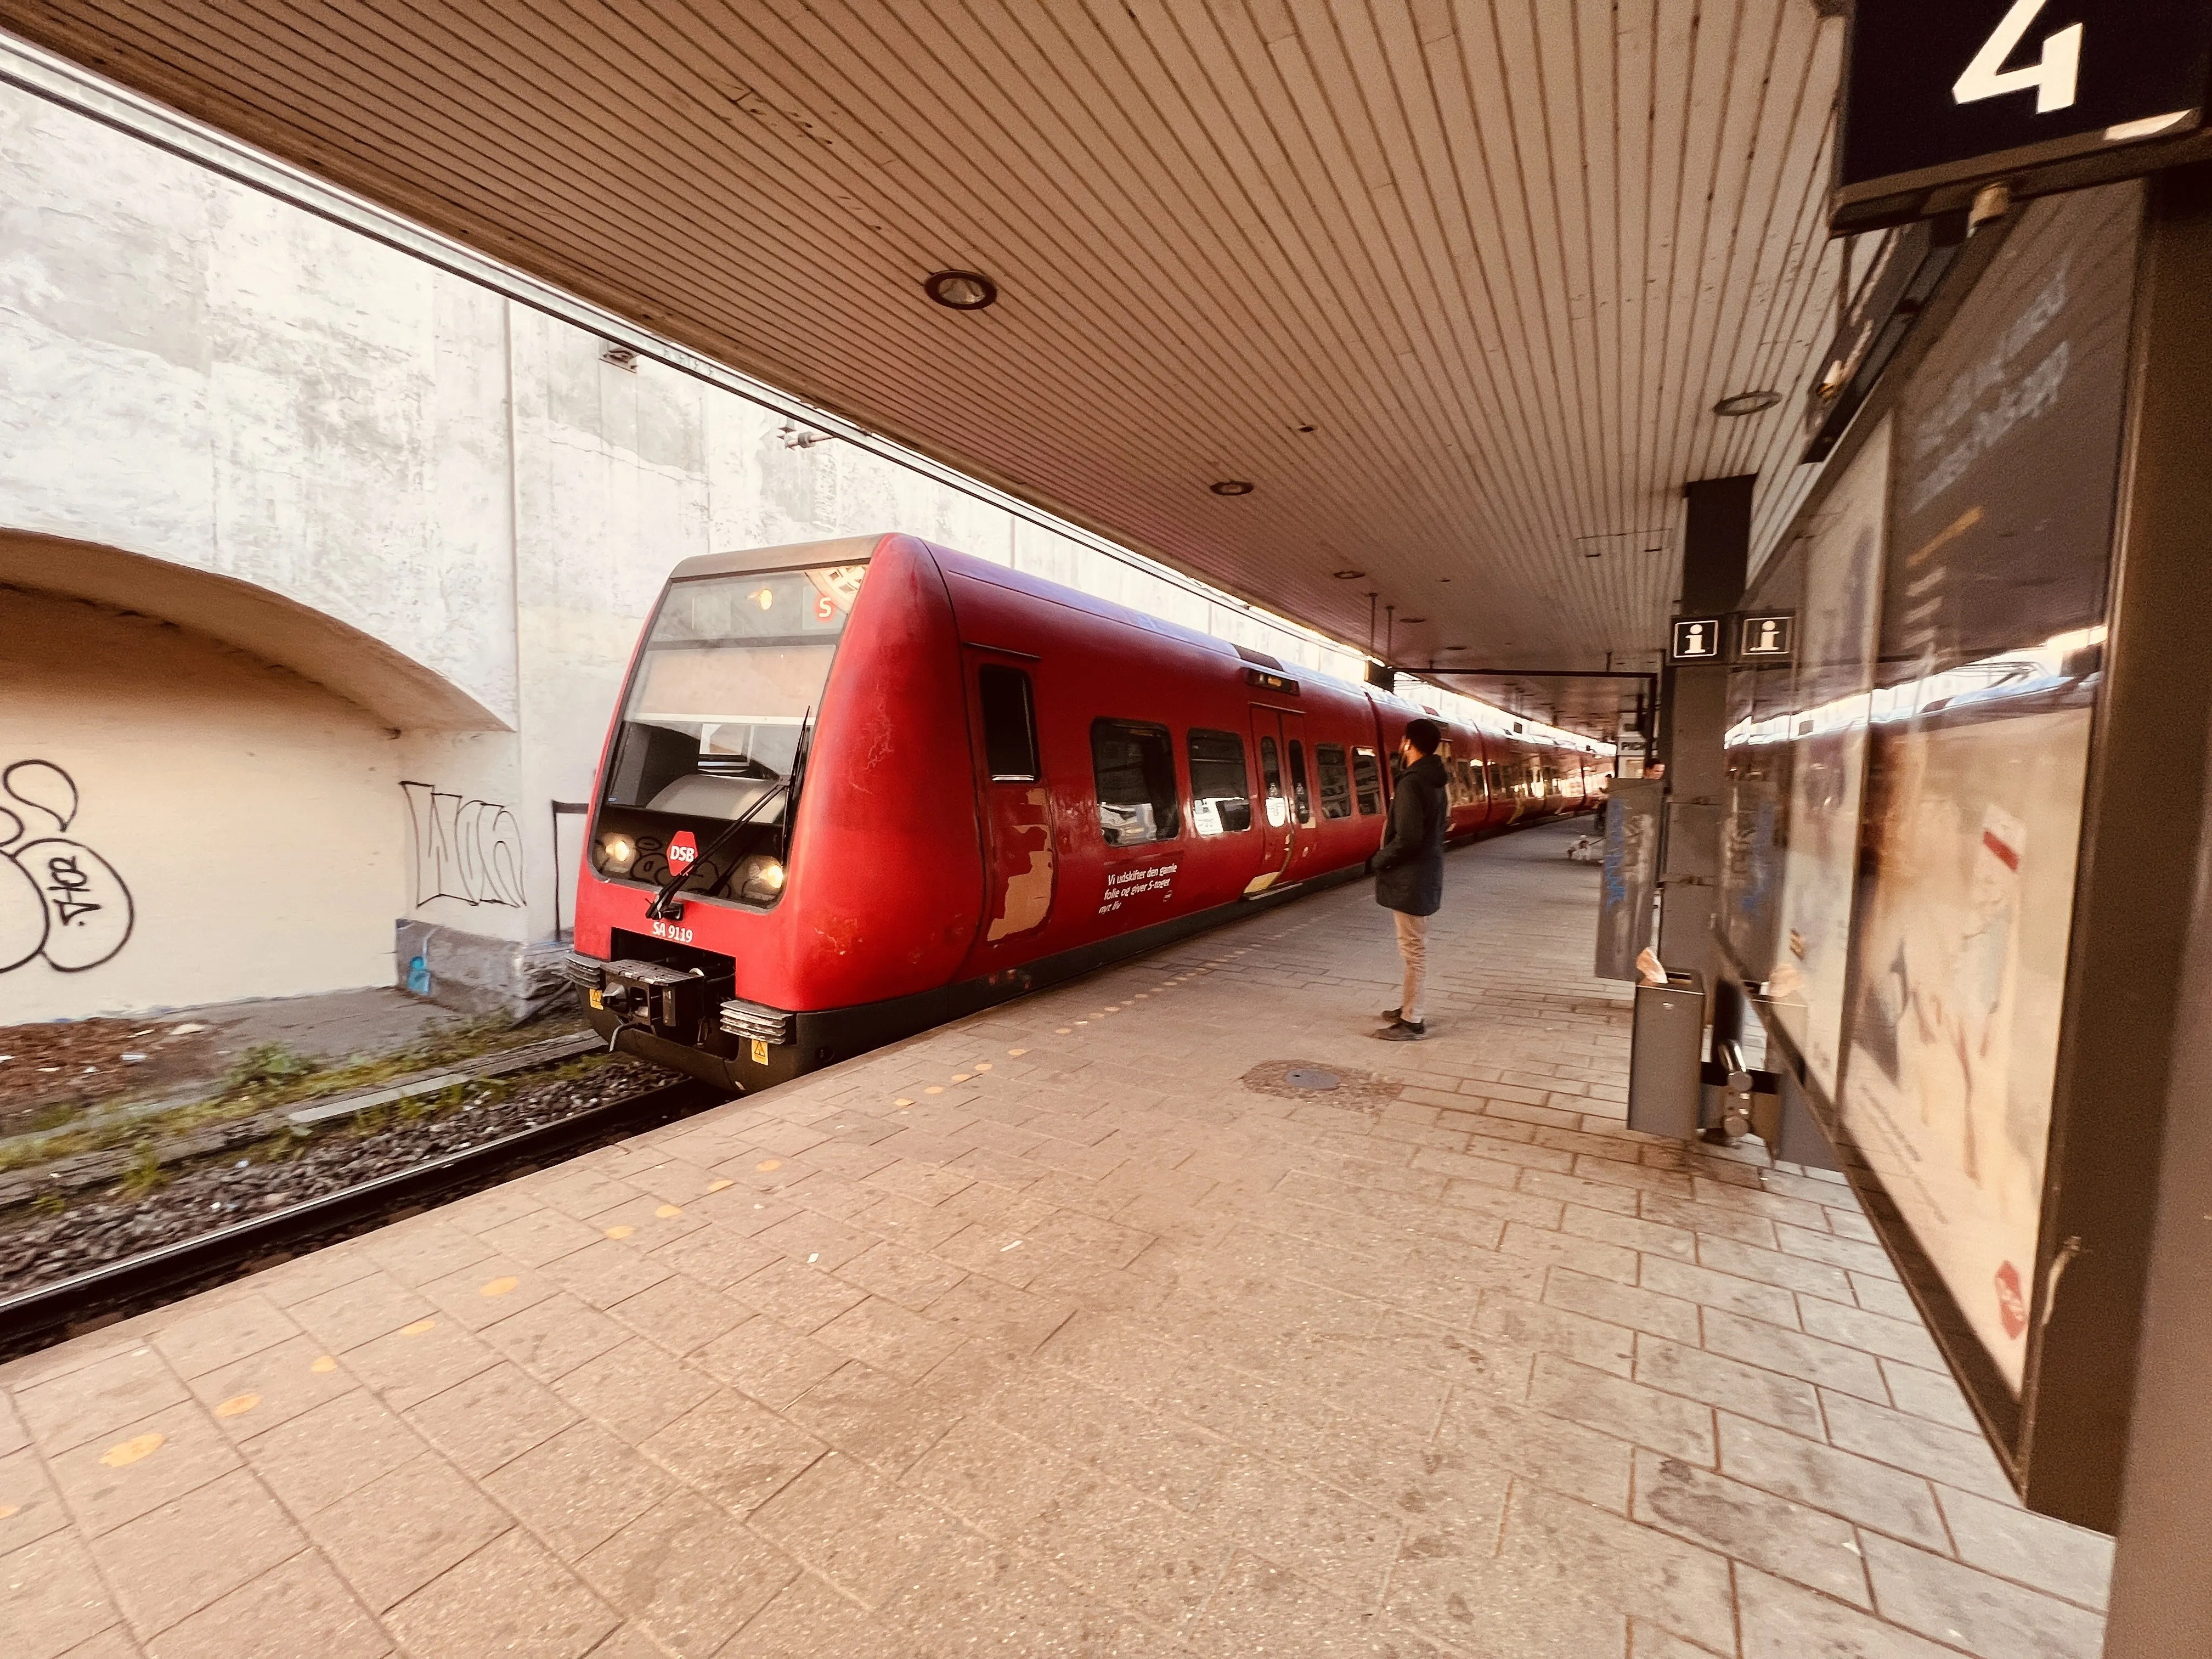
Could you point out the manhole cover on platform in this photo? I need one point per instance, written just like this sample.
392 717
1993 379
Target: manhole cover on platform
1344 1087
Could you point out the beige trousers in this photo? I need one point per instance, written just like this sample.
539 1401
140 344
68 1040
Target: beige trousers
1413 946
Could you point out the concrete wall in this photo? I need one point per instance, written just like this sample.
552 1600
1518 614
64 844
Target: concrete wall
180 822
403 530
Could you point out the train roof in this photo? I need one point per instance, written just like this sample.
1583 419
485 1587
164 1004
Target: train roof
841 550
858 550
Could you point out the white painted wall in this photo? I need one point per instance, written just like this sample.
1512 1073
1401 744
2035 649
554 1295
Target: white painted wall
195 371
242 819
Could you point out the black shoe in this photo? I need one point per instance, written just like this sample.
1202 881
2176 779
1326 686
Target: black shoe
1404 1031
1391 1014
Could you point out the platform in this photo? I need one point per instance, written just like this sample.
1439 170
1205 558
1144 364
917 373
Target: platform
1079 1328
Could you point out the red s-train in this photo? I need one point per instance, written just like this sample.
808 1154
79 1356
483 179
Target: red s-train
857 787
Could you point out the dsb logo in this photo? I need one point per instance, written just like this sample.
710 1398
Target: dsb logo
683 850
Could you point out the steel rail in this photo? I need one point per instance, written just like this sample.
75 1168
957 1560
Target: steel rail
35 1318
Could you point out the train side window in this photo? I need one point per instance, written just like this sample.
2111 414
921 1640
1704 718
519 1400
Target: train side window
1299 792
1271 775
1220 788
1335 781
1010 745
1367 780
1135 765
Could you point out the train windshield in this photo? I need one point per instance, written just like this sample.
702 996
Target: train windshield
723 686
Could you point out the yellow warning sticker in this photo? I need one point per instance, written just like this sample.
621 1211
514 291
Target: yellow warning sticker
599 1000
760 1052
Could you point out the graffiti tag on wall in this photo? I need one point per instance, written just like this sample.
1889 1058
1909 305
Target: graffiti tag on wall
469 850
59 898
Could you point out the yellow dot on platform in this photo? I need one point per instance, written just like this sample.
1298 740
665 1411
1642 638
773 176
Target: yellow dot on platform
668 1211
934 1088
1112 1007
620 1231
143 1445
418 1328
983 1064
1061 1030
767 1163
325 1365
1015 1054
499 1286
238 1405
8 1510
901 1101
717 1185
962 1076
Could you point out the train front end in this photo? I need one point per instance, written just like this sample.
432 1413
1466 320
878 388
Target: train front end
782 867
682 939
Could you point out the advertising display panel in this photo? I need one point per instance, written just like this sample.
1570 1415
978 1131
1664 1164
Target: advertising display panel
1977 746
1827 734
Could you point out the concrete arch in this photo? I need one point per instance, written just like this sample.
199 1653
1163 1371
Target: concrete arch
399 690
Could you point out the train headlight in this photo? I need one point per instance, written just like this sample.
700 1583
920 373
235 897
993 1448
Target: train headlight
617 853
760 879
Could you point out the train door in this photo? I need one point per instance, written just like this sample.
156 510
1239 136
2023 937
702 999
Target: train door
1478 778
1019 866
1286 787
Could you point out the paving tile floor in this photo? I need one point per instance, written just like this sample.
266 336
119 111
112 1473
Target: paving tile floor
1071 1330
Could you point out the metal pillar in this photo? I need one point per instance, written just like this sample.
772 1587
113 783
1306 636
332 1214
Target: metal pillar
1694 716
2153 899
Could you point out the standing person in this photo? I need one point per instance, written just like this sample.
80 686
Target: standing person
1409 869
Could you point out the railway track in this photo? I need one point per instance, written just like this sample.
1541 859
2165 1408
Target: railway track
47 1314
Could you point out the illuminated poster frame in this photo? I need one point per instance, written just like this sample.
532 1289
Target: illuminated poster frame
2115 866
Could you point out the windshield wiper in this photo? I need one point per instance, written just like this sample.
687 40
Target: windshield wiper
659 910
799 756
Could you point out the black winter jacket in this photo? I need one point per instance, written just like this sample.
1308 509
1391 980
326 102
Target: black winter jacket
1409 869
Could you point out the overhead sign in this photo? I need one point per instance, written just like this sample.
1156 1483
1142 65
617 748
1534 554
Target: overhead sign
1766 639
1697 639
2040 94
1890 300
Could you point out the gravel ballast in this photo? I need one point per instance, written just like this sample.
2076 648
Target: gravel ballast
40 1248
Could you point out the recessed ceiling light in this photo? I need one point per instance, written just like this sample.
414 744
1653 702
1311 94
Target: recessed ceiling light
1231 487
1349 575
1411 620
1305 428
1746 403
960 290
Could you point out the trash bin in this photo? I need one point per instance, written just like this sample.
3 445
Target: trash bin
1666 1085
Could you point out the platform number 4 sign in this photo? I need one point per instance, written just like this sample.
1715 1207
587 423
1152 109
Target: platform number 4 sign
2053 76
1942 99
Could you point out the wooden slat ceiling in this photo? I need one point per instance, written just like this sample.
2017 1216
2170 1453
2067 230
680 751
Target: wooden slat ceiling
1500 255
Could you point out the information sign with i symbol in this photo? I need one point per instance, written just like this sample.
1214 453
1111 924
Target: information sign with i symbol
1765 638
1697 639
